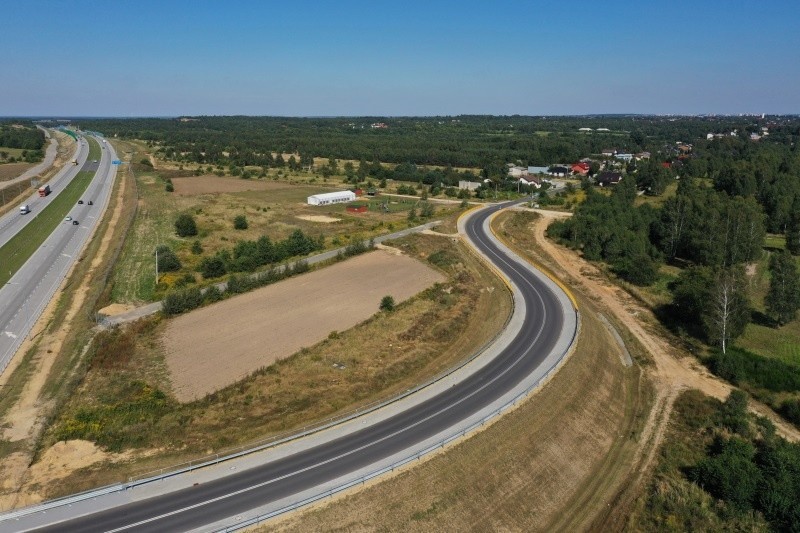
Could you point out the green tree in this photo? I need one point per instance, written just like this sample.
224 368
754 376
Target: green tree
240 222
185 226
793 231
783 297
728 309
387 303
730 473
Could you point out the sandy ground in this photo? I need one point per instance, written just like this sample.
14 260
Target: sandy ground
211 184
218 345
674 370
116 309
318 218
10 171
24 420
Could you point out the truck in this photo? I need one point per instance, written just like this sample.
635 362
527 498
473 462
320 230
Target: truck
24 209
44 190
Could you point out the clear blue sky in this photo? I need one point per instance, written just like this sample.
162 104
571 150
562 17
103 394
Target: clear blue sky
167 58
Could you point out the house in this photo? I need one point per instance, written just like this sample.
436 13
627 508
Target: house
378 126
531 181
558 171
608 178
603 129
469 185
537 170
642 155
515 171
624 157
584 129
580 168
608 153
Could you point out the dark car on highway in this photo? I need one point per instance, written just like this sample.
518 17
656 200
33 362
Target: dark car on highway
75 222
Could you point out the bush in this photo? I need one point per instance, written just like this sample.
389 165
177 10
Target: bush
197 248
180 301
185 226
213 267
790 409
240 222
387 303
213 294
167 260
740 366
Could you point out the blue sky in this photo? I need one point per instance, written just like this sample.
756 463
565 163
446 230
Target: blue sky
168 58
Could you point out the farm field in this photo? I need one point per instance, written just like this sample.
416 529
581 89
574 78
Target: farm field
273 208
205 353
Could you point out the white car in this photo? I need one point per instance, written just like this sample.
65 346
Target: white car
67 219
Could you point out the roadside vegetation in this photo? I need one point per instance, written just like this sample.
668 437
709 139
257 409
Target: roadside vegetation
17 251
721 468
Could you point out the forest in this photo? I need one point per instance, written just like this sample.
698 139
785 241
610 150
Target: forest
462 141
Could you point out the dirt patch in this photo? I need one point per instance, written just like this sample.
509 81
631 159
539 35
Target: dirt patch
319 218
12 170
218 345
116 309
211 184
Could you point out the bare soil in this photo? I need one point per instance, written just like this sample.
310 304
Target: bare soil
319 218
211 184
213 347
12 170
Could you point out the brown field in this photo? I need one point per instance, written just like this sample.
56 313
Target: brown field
12 170
213 347
212 184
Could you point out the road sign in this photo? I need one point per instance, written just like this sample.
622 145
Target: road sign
116 162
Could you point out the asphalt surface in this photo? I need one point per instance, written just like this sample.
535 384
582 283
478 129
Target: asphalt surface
215 500
12 222
25 296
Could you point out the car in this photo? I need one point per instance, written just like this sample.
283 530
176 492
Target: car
80 202
75 222
94 160
67 218
91 202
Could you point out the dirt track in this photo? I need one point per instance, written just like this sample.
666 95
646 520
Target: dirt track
218 345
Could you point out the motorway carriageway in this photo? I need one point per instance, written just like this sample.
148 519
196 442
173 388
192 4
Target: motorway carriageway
12 222
25 296
537 338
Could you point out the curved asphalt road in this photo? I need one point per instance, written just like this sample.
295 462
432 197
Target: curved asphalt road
213 501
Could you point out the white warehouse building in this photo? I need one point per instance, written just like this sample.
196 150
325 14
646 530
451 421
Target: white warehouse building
338 197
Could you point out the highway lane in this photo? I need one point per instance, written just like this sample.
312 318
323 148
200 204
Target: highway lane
544 319
24 297
12 222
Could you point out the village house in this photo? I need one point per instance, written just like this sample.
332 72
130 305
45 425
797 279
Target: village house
608 178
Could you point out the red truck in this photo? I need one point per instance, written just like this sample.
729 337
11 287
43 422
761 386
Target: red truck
44 191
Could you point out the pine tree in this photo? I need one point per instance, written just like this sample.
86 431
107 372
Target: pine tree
783 297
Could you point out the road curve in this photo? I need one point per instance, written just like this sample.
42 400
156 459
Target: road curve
544 328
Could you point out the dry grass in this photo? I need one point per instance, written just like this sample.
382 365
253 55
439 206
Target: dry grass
382 356
552 464
10 171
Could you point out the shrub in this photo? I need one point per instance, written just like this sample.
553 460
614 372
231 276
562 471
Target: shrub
197 248
180 301
167 260
387 303
185 226
240 222
213 267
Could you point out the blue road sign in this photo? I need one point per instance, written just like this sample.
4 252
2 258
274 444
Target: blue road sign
116 162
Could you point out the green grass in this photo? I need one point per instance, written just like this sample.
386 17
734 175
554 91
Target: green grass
777 343
19 249
777 242
12 152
